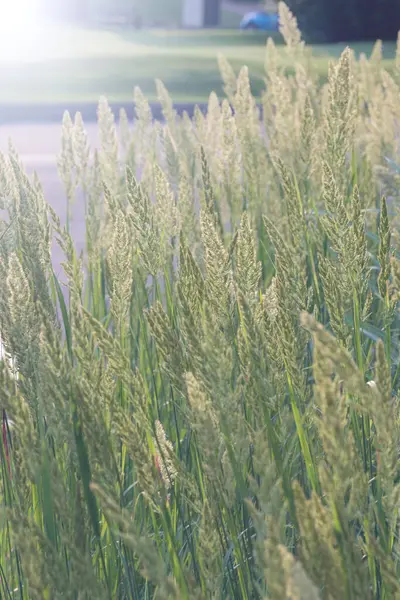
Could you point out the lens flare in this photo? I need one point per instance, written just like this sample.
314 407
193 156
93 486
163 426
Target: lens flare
20 29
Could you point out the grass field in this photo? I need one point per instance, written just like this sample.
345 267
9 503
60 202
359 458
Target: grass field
212 411
204 404
81 65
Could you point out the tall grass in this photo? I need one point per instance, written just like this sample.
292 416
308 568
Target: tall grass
205 405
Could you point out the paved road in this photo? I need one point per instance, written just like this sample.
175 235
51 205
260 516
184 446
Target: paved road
53 113
38 146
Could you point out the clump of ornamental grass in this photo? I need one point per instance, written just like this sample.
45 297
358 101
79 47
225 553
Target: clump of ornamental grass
204 404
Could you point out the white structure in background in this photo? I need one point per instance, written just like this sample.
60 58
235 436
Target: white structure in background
193 13
200 13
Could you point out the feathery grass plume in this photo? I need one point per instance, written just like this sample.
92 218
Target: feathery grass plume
167 218
66 162
5 183
95 211
291 340
253 356
126 138
210 203
387 301
388 580
358 259
152 567
337 305
90 396
335 222
307 136
382 127
398 51
376 108
340 116
125 133
218 271
298 584
270 302
22 323
325 541
290 280
109 147
190 286
374 126
288 28
141 216
332 353
143 132
294 207
143 111
263 386
200 126
189 139
248 269
397 58
214 135
172 158
245 104
54 378
384 411
205 423
375 59
88 383
252 146
342 471
45 572
212 147
81 153
348 270
395 271
232 165
386 422
300 234
271 57
25 443
117 362
119 260
269 515
285 577
72 266
291 292
28 221
168 344
384 249
209 552
228 77
365 83
278 110
346 233
165 458
169 113
133 431
187 213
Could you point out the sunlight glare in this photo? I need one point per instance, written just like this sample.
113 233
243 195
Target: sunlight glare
19 29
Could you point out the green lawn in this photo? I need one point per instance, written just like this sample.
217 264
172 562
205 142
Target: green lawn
81 65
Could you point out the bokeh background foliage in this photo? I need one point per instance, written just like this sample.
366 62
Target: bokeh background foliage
344 20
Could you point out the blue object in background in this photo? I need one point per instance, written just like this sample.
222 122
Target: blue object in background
260 20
